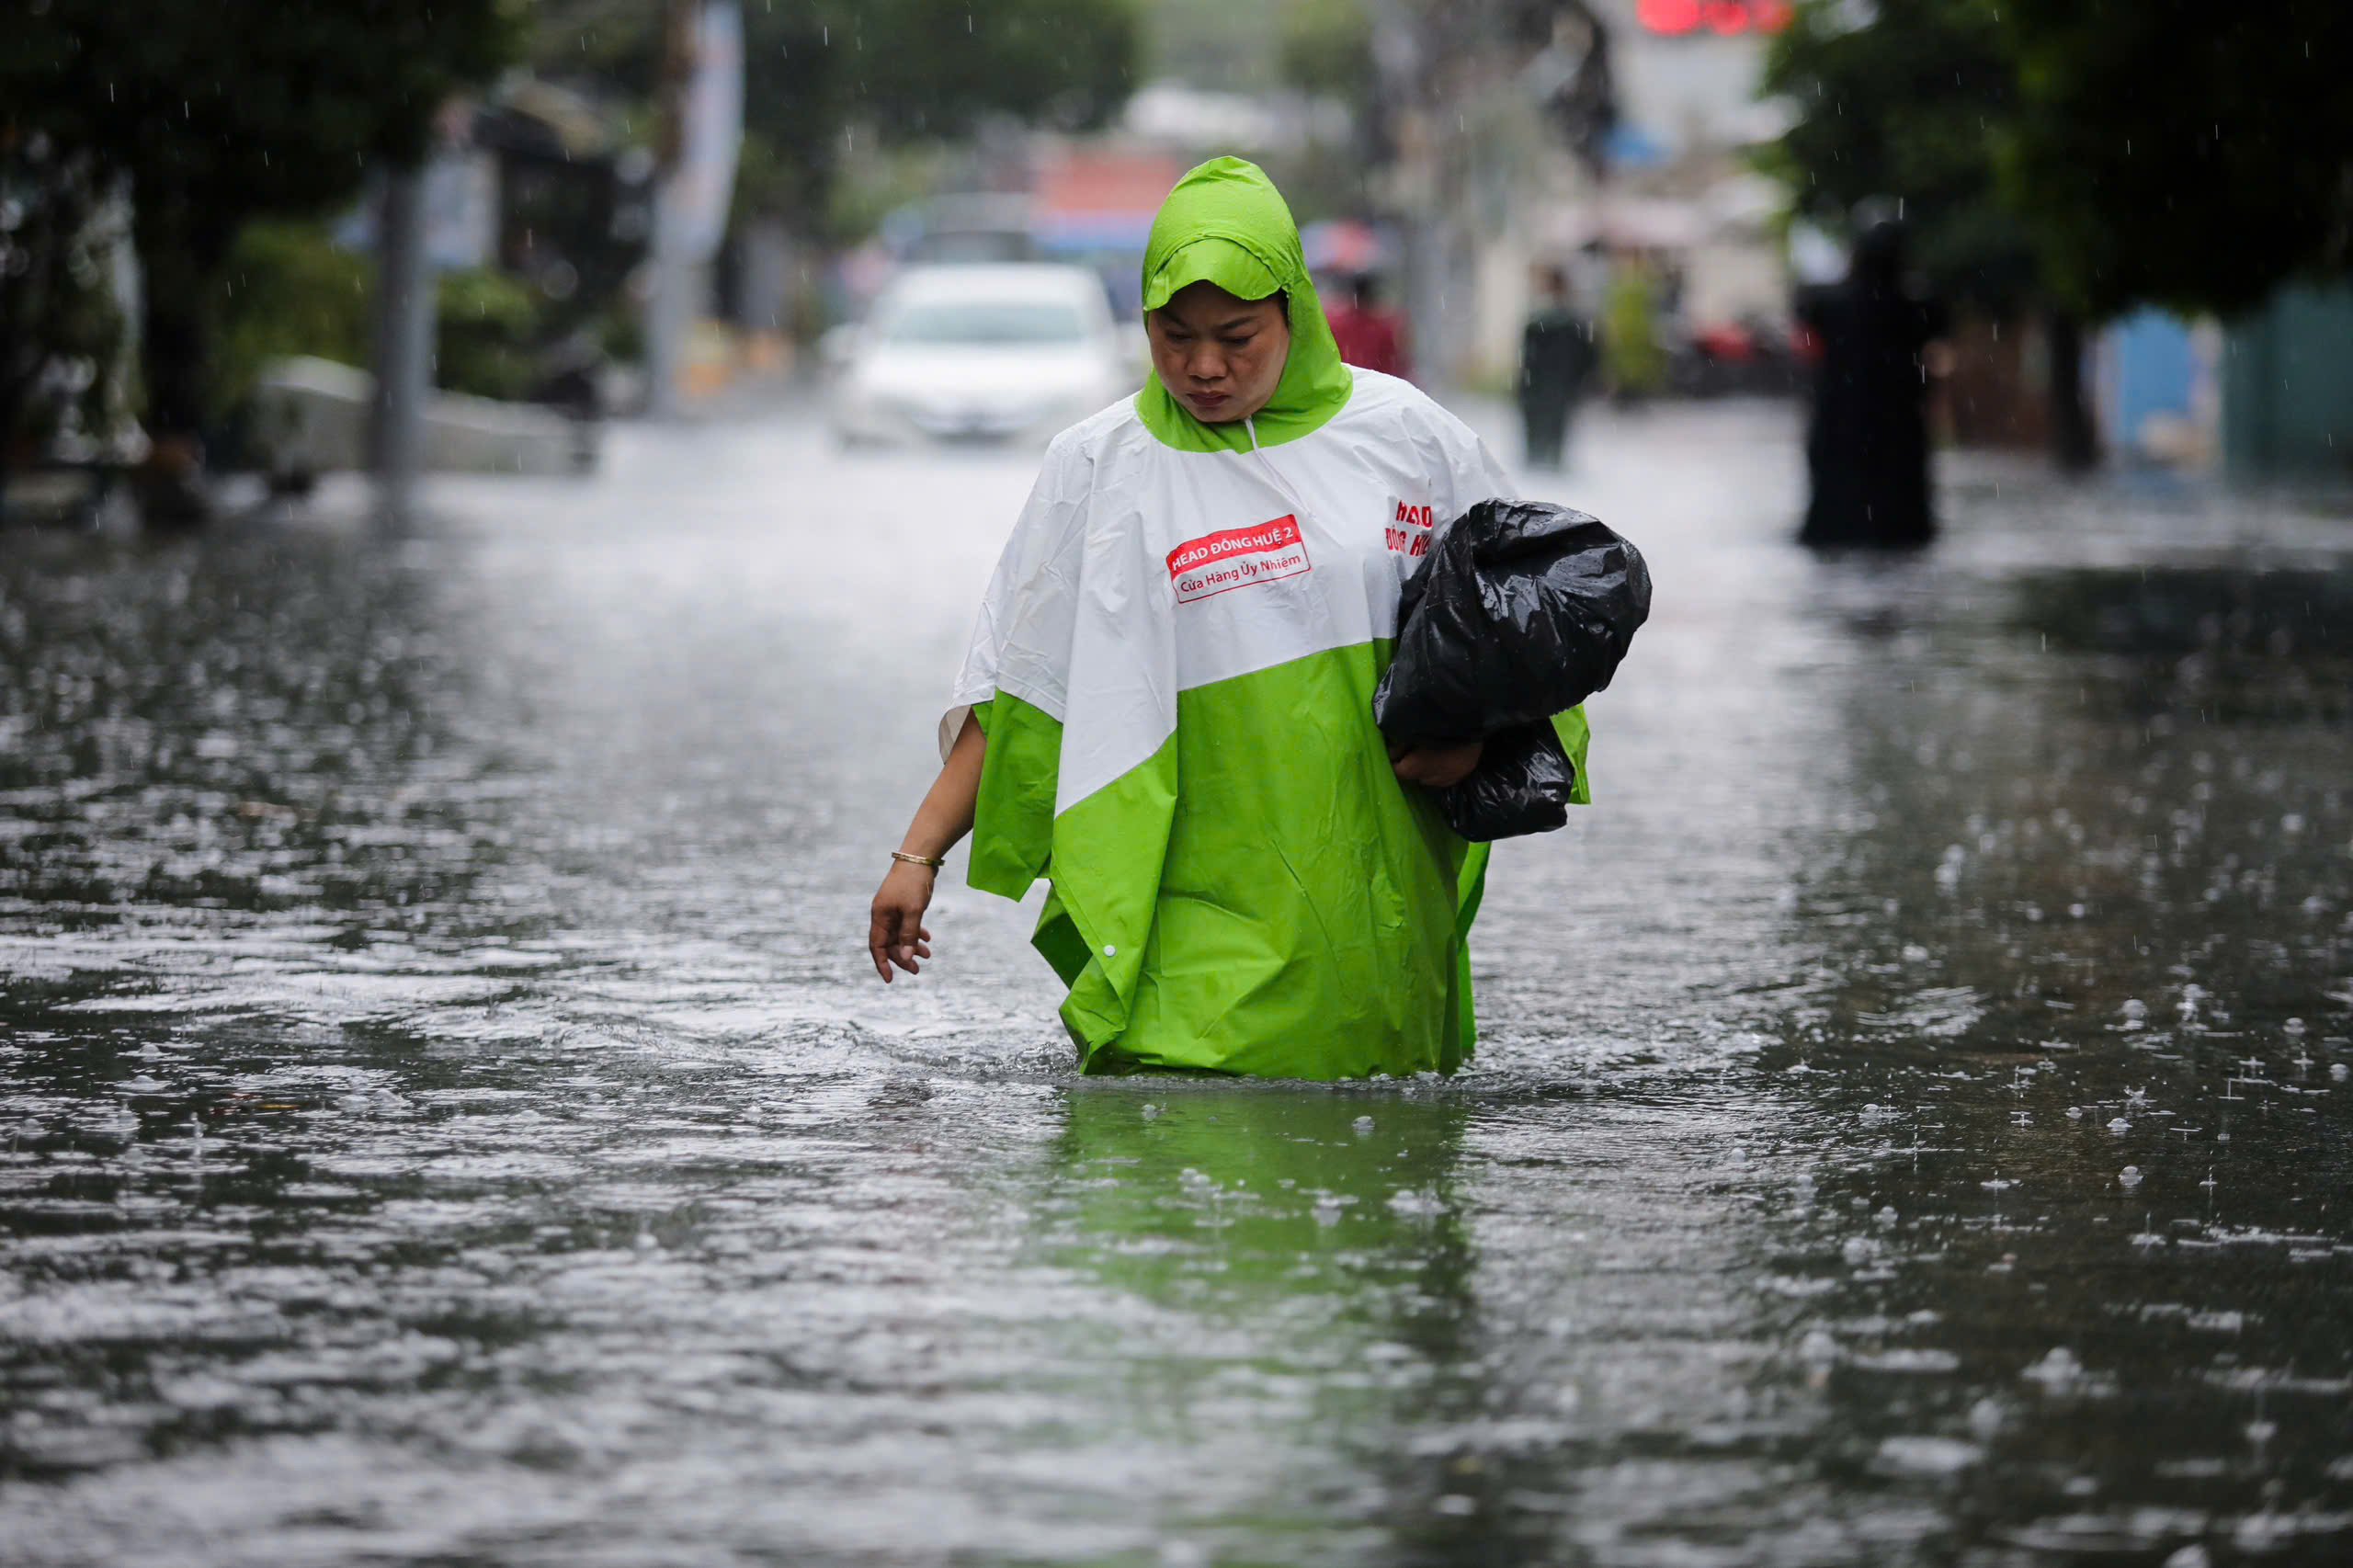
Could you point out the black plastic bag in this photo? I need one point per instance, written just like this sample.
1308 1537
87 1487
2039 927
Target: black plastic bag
1522 785
1520 612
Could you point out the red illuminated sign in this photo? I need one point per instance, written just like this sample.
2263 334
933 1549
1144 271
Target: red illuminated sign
1676 18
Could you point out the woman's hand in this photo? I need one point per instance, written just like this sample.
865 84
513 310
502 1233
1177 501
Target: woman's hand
897 935
1437 768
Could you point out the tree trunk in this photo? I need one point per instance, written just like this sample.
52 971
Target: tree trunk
12 409
2075 442
177 261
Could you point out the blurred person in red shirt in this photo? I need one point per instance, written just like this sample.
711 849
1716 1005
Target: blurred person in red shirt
1369 332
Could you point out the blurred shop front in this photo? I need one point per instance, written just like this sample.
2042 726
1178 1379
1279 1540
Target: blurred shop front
2287 385
1675 203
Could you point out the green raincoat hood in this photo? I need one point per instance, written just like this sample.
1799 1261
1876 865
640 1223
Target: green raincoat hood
1226 223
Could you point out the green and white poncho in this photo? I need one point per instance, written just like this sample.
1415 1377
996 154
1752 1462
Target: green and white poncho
1175 665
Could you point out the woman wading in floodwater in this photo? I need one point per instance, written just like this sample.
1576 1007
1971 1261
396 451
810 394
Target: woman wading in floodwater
1167 707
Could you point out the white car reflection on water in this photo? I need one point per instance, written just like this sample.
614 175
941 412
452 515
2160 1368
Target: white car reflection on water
1010 353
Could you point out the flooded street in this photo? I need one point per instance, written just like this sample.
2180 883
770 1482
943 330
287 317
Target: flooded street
447 1113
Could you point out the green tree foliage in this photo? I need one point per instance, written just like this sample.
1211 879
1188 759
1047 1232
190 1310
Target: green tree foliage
285 289
1905 100
2096 154
1327 49
487 333
1914 100
1222 45
818 74
228 110
2191 154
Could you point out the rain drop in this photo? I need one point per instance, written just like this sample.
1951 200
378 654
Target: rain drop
2056 1371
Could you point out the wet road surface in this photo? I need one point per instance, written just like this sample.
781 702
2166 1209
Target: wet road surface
446 1116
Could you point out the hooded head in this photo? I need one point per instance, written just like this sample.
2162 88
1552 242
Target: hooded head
1225 224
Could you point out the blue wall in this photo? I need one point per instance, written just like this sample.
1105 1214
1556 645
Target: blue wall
2149 369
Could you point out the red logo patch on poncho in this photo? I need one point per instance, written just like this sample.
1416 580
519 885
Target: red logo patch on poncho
1237 558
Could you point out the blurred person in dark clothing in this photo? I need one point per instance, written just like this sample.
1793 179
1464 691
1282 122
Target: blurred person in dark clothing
1369 332
1556 360
1866 447
571 382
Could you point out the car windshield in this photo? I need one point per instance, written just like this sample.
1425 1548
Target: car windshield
987 322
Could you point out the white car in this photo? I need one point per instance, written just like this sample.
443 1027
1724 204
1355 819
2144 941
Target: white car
1011 352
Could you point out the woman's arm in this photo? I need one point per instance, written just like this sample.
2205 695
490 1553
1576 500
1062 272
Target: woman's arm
1437 768
896 933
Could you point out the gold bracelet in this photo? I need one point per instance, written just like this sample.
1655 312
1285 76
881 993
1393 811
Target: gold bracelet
934 861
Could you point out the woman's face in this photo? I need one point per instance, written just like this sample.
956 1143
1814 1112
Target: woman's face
1219 356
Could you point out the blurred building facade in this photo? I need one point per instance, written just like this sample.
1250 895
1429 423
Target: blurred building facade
1674 195
2270 394
2287 385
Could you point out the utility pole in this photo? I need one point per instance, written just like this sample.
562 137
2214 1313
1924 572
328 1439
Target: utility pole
1403 98
403 346
669 300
